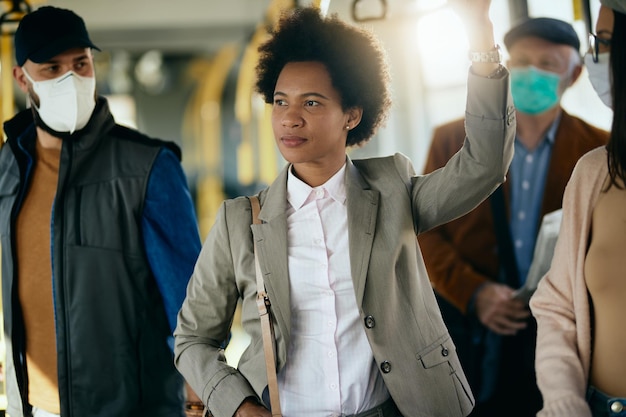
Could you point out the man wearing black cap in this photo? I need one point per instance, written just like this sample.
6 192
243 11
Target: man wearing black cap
99 238
476 262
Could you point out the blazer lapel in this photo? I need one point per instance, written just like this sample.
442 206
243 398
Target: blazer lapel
362 206
271 241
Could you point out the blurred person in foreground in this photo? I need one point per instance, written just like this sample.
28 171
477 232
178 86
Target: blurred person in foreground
99 239
579 304
477 262
357 327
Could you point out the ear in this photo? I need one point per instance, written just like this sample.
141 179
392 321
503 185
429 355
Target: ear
20 78
578 69
354 116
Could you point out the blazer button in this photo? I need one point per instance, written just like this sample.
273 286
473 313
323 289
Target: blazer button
370 322
444 351
617 407
511 116
385 367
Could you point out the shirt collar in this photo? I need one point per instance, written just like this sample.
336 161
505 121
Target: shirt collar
298 191
550 135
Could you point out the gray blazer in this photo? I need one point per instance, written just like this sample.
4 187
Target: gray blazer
387 206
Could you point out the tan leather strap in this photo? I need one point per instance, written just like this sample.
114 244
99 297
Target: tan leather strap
267 327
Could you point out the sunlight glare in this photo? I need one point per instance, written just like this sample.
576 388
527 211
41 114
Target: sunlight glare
442 46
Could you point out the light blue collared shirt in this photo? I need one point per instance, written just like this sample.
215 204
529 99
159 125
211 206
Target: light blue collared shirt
528 172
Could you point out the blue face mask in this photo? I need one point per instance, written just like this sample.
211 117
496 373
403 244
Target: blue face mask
534 91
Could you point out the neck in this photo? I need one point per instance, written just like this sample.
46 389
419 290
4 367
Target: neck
48 141
315 175
531 128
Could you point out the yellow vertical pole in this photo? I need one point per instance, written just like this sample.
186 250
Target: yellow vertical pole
246 155
6 74
577 6
256 162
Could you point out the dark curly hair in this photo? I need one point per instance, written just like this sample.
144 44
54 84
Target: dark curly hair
353 57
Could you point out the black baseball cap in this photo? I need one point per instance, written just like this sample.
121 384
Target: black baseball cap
47 32
553 30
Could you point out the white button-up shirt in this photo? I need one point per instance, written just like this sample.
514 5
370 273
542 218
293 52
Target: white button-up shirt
330 368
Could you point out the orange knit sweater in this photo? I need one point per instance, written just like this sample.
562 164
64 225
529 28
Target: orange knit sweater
35 281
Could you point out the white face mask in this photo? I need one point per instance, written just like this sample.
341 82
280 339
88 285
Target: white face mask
65 103
599 76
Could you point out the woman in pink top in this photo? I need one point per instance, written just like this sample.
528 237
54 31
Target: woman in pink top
580 304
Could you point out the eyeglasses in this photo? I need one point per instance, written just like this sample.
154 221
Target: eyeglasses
594 45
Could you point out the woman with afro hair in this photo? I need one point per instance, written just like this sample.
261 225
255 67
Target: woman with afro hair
357 328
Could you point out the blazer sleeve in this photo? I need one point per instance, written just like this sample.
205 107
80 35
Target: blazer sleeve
561 304
204 324
479 167
450 274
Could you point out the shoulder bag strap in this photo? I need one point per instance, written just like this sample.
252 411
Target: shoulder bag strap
263 304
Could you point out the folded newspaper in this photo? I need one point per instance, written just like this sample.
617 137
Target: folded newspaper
542 256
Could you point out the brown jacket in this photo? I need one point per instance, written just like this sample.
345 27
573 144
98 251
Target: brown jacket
462 255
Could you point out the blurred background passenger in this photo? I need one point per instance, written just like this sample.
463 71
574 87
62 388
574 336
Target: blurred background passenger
99 239
579 304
